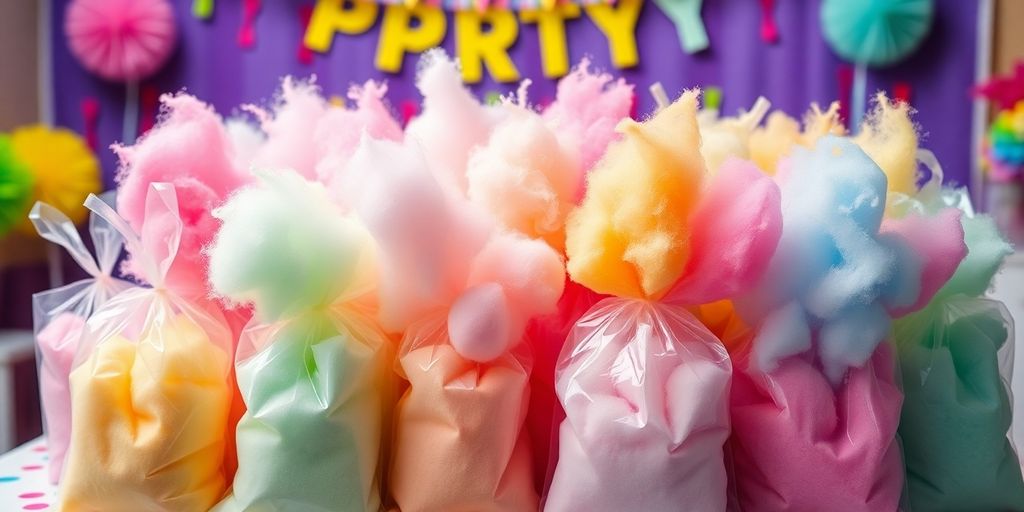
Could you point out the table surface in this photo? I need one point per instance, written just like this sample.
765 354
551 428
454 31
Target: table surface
23 479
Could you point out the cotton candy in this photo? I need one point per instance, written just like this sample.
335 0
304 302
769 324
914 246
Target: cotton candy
129 395
722 138
957 410
313 366
150 390
290 125
642 382
462 292
191 150
57 344
246 140
889 137
769 144
525 177
338 132
588 105
624 238
451 123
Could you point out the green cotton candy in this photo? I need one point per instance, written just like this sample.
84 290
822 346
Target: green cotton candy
956 411
16 187
316 397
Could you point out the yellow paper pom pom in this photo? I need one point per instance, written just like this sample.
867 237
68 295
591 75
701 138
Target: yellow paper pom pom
629 236
889 137
65 169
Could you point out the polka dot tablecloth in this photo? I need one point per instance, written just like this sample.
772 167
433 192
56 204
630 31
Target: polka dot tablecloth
23 479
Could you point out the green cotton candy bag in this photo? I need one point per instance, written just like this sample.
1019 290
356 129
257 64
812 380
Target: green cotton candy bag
954 358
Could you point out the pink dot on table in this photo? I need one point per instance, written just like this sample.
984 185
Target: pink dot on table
32 467
35 506
29 495
40 448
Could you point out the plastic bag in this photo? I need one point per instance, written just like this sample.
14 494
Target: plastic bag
313 366
645 389
474 439
315 389
955 358
643 383
149 388
60 314
800 444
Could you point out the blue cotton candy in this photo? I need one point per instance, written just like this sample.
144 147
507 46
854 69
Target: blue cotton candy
834 279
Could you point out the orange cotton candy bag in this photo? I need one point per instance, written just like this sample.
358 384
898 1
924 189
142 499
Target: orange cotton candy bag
149 387
643 383
462 293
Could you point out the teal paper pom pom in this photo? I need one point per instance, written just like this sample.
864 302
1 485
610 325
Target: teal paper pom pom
876 32
16 182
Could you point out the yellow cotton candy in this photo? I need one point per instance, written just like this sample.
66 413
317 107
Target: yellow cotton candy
629 236
148 422
773 141
818 124
890 139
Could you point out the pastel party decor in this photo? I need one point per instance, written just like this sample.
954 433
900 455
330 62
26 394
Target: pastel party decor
462 293
63 167
693 37
203 177
150 389
641 380
16 187
876 32
954 356
313 366
121 40
815 405
59 316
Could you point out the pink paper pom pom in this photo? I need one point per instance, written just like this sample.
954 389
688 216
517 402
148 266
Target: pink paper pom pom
121 40
191 150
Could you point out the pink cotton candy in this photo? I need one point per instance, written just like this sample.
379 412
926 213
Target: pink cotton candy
58 343
799 444
339 130
427 238
290 129
735 230
939 241
191 150
586 110
452 123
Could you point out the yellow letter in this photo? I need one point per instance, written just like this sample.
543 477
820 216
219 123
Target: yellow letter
477 48
330 16
551 29
618 24
397 36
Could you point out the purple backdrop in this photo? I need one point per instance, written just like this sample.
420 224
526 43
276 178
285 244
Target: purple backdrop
793 72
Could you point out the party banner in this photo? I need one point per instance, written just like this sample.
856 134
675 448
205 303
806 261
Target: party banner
231 53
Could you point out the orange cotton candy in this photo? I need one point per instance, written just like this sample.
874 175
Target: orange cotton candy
627 238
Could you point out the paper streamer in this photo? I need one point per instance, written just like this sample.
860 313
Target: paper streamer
90 116
149 107
305 55
844 81
247 34
689 26
901 92
202 9
769 30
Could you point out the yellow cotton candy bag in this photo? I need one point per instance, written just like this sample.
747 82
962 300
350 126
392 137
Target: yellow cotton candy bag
628 237
150 390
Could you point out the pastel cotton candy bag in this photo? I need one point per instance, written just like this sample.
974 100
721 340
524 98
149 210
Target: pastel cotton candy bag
462 293
643 383
59 315
955 356
815 404
149 386
313 364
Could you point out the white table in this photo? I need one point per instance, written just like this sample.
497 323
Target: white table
16 346
23 479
